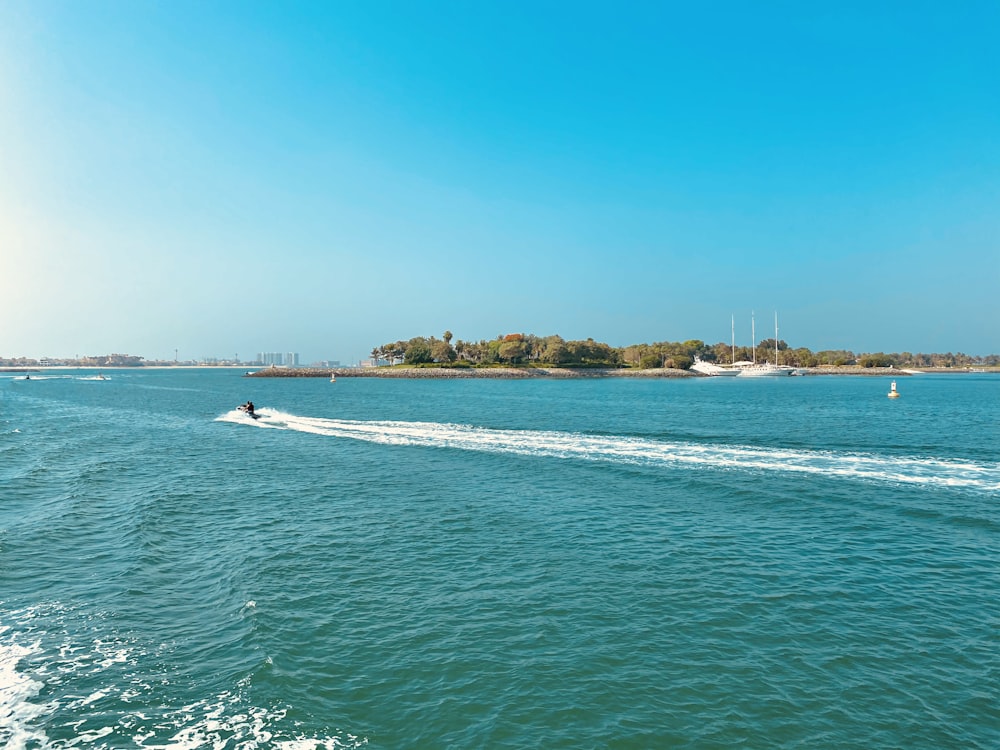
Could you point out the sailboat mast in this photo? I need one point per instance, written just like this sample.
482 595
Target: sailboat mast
753 337
775 337
733 323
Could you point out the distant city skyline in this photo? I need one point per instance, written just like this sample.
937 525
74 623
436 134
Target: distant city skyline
202 177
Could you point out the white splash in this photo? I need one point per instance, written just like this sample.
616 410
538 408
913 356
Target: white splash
17 692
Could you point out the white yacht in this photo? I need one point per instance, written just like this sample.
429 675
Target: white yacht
710 368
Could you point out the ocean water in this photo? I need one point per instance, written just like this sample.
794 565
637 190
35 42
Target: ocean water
704 563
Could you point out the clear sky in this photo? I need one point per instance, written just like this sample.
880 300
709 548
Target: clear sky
323 177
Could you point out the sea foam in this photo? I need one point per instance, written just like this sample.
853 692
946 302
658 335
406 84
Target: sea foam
17 693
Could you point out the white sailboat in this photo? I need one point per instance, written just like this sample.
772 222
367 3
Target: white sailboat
765 370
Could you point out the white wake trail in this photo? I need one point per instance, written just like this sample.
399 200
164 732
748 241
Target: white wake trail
641 451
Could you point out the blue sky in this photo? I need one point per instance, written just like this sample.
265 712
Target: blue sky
222 178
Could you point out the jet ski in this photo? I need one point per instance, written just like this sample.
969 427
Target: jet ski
248 409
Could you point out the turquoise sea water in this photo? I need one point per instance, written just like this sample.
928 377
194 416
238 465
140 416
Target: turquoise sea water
704 563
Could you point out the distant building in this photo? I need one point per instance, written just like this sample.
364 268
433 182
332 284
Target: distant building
271 358
292 359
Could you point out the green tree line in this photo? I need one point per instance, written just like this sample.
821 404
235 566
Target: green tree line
525 349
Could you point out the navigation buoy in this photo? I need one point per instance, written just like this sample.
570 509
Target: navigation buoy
893 393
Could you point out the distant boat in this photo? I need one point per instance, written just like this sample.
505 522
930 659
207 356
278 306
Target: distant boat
333 377
710 368
765 370
714 370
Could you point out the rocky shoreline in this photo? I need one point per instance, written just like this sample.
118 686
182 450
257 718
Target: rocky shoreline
496 373
525 373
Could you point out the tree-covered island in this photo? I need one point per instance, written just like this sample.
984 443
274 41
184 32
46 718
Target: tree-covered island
528 350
